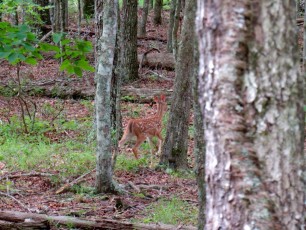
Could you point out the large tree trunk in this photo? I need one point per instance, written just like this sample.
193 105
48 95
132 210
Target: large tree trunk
128 43
106 31
250 93
174 152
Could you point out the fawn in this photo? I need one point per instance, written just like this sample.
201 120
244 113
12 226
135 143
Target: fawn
146 128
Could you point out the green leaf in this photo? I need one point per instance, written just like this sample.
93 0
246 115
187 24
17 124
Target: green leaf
31 61
57 37
4 54
13 58
85 65
65 65
78 71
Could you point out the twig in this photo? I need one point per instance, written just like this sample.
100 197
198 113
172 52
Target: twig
159 75
19 202
76 181
134 186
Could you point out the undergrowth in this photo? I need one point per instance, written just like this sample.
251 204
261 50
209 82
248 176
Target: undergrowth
171 211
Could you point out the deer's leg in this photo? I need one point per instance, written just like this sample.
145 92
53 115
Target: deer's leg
151 148
139 141
126 137
160 142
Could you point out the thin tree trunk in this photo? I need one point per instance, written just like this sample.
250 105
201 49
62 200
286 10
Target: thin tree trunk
170 28
143 22
128 42
199 143
158 6
174 152
304 41
176 27
106 31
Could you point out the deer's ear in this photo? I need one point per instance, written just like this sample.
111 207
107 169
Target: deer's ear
156 98
163 97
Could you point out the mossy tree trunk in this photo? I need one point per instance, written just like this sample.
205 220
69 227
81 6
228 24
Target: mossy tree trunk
174 151
251 99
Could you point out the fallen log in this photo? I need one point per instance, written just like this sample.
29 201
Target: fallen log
157 60
18 217
78 89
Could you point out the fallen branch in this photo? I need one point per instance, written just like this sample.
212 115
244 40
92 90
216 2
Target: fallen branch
14 216
74 182
17 201
137 189
32 174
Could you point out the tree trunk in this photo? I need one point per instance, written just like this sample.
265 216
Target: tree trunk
143 22
304 42
44 16
250 94
174 151
176 24
199 143
60 16
106 32
170 27
128 61
88 8
158 6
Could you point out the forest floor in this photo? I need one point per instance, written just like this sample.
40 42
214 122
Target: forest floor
28 181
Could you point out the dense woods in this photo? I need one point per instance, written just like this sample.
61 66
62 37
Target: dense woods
161 114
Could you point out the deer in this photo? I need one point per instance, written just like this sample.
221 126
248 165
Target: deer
146 128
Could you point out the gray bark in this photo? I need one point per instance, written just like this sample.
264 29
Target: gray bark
176 24
170 27
106 31
199 143
128 42
174 152
60 15
250 93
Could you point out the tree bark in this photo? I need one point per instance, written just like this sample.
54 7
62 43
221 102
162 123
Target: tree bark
176 24
143 22
174 151
106 31
128 43
158 6
60 16
250 93
199 142
170 27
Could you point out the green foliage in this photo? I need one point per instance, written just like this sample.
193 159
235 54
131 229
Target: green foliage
32 16
17 44
73 52
173 211
129 164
